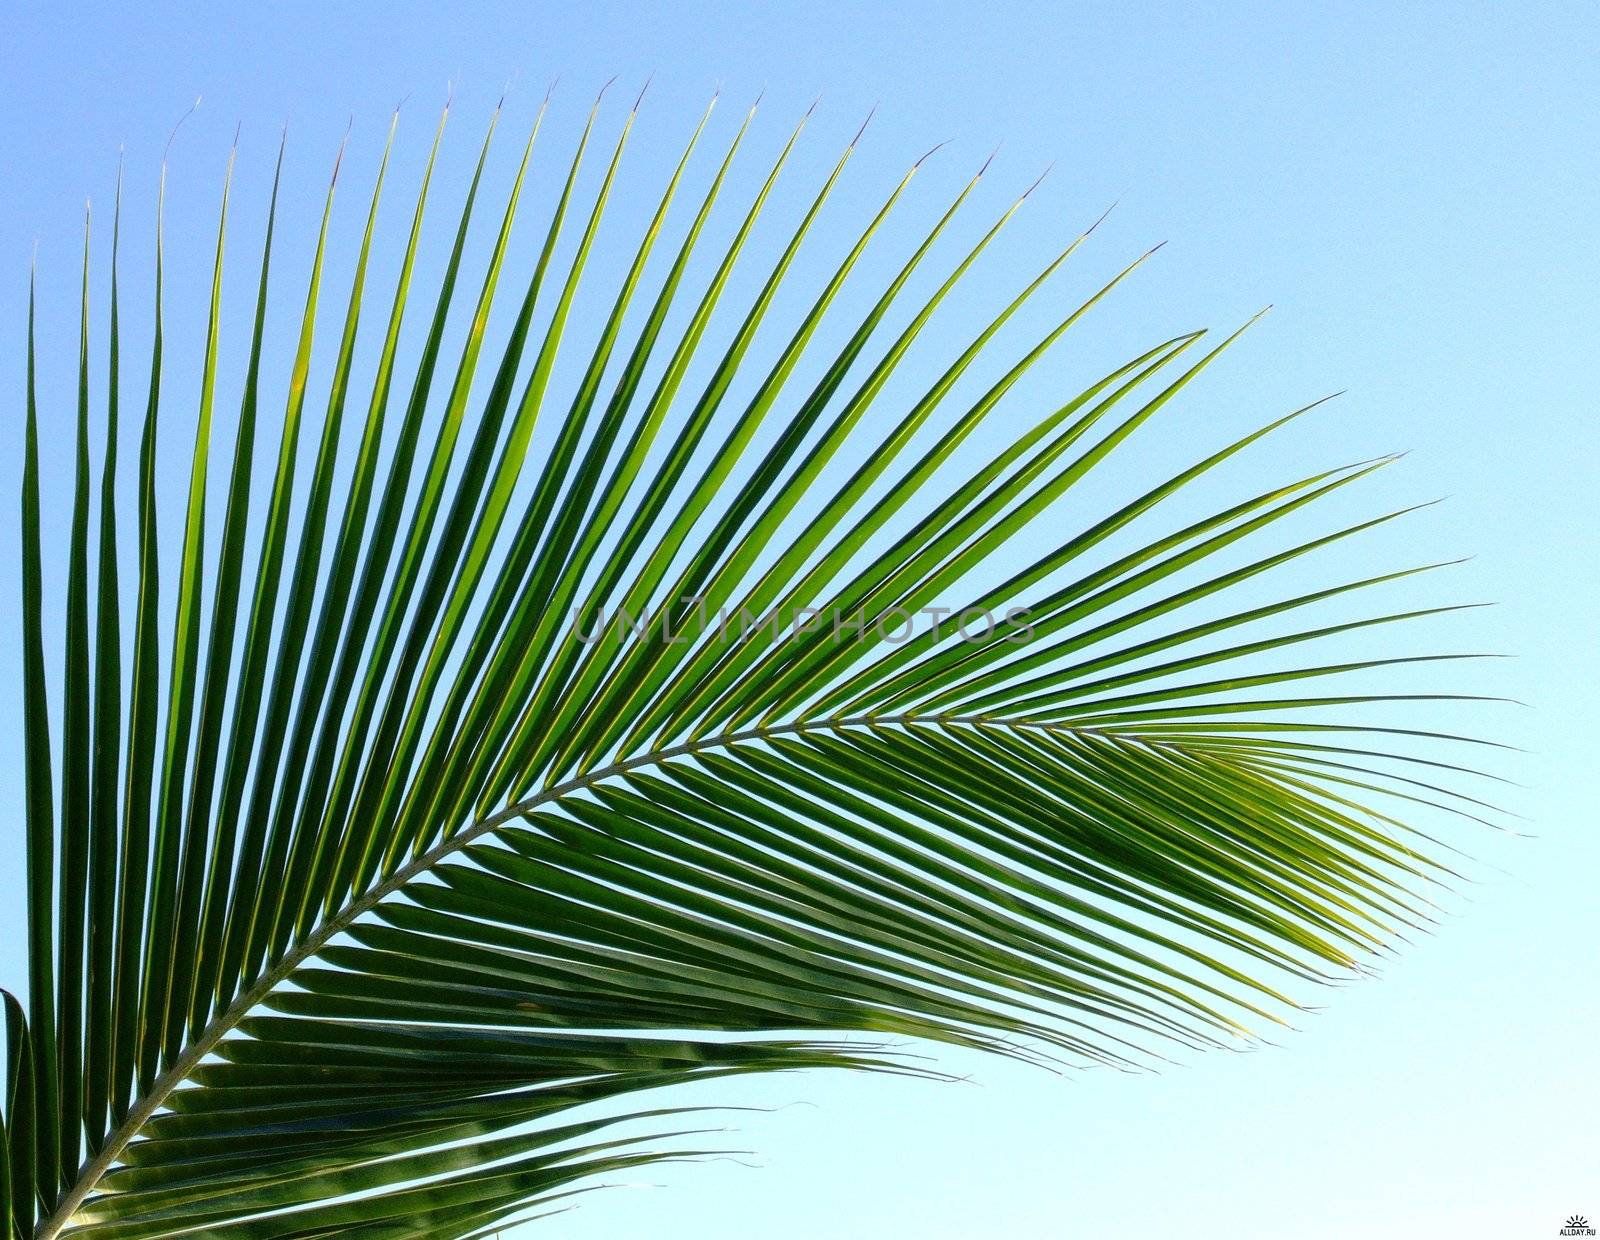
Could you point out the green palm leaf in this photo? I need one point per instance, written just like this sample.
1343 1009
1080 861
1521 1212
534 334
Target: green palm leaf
490 771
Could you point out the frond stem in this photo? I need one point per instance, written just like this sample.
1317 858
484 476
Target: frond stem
221 1025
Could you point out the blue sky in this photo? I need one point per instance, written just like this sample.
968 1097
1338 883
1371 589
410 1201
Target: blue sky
1415 190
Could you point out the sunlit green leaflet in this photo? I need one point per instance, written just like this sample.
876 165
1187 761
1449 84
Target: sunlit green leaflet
358 866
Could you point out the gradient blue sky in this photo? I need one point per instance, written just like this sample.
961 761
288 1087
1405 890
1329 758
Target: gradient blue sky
1413 185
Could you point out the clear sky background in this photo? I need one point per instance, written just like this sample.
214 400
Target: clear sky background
1414 186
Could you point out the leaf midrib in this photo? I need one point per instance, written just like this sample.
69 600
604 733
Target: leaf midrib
90 1174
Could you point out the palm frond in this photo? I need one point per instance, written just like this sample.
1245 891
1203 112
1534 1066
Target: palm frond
475 767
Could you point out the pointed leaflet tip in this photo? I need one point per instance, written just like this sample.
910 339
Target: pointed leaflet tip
338 159
644 88
1048 167
1102 218
605 88
175 128
510 85
864 125
712 106
929 153
1323 400
283 147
